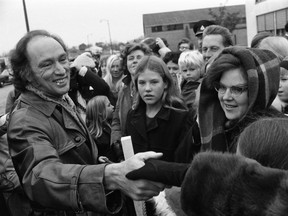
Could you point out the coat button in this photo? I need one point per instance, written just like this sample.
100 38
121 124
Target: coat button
77 139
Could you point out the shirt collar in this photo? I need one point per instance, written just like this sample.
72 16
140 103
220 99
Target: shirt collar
46 107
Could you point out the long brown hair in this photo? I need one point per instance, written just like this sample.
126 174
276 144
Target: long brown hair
96 115
171 98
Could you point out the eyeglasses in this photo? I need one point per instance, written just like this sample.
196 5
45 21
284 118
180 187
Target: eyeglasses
234 90
183 47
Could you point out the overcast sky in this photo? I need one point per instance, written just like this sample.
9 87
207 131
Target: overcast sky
79 21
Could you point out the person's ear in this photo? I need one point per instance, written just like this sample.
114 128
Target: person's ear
29 77
166 85
28 74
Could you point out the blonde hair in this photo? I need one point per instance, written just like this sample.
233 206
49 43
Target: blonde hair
108 78
277 44
96 115
191 58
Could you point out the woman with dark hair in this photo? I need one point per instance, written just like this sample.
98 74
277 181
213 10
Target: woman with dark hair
185 44
239 87
131 55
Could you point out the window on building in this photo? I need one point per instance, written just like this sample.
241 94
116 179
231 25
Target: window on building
269 21
281 19
243 20
175 27
156 29
261 23
191 25
273 22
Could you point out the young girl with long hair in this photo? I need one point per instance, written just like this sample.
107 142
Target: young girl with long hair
99 113
160 120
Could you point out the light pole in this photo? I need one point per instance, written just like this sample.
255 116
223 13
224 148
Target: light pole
107 21
88 41
26 16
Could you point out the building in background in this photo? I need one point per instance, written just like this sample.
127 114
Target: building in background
176 25
266 15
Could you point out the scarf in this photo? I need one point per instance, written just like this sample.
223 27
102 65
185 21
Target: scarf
65 102
263 72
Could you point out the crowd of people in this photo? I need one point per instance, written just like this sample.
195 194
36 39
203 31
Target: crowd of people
207 122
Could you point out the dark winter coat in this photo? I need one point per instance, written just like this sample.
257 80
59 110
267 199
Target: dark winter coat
56 159
188 92
169 130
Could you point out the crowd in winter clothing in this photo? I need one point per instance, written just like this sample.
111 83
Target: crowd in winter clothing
207 123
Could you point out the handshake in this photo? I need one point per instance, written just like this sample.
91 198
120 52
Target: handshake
168 173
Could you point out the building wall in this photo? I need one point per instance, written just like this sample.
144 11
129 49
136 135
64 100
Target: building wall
240 35
266 15
187 18
173 37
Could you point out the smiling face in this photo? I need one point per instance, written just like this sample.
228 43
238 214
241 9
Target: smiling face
50 66
133 59
234 106
151 88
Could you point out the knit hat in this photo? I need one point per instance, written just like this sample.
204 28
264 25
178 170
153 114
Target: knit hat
85 59
263 73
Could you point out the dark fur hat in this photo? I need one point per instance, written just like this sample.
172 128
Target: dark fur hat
224 184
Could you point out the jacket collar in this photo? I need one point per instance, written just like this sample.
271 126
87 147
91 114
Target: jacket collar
46 107
163 113
139 120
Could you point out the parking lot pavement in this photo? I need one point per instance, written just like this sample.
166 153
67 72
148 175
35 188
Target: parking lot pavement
3 95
